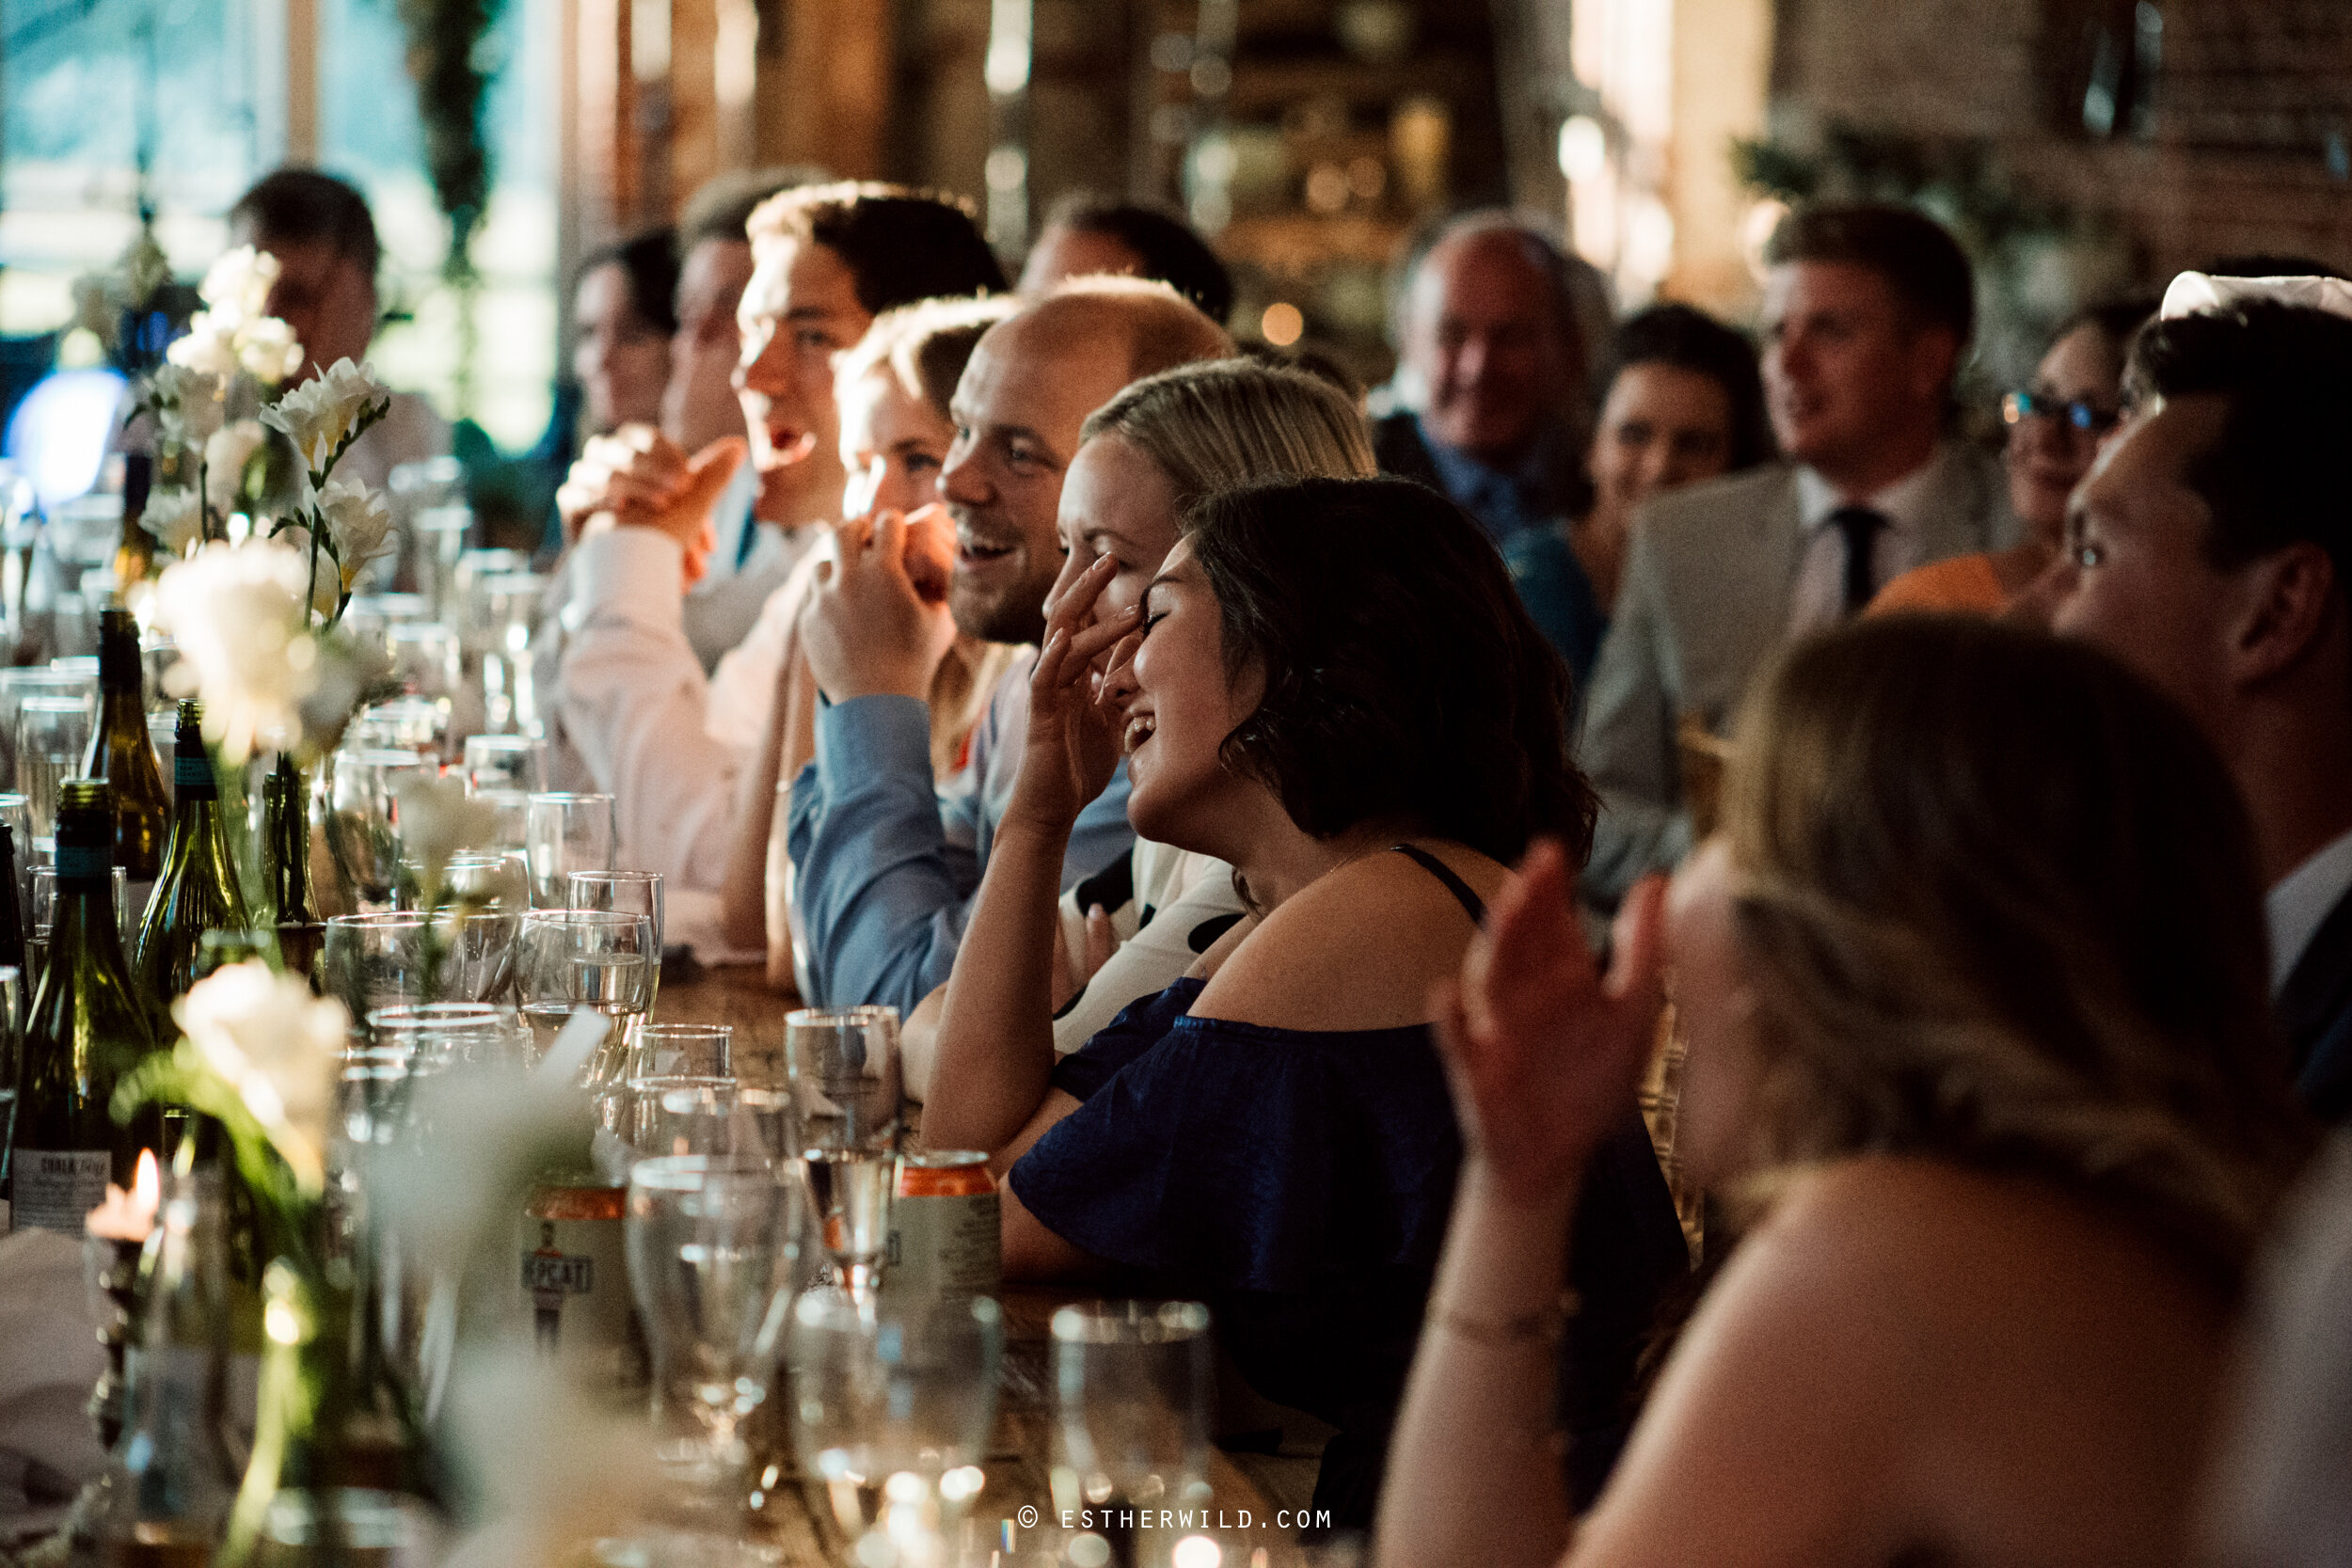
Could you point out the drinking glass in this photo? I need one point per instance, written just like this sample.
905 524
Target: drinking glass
51 740
1132 1385
892 1402
363 820
424 660
564 833
162 734
677 1115
402 724
692 1050
448 1032
586 960
378 961
628 892
18 684
506 762
478 952
842 1068
506 610
42 911
712 1244
512 829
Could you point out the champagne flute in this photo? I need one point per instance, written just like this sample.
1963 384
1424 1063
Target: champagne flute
363 821
1132 1385
564 833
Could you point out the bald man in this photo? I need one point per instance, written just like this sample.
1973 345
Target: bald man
885 867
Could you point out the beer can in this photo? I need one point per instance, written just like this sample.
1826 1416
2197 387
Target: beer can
573 1281
943 1226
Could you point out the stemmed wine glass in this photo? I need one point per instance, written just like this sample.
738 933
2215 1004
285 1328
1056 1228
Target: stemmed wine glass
842 1069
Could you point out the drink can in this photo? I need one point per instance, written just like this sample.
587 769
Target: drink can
573 1282
943 1237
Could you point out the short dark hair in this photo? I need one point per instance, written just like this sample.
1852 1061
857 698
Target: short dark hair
2265 263
649 263
1919 259
723 204
2280 471
301 206
1169 249
900 244
1690 340
1403 677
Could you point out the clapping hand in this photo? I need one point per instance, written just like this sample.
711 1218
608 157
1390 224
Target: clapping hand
1542 1049
877 622
1076 707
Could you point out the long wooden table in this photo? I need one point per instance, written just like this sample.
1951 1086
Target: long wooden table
1258 1501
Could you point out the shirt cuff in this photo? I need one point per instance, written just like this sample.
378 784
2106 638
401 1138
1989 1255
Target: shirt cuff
634 571
873 737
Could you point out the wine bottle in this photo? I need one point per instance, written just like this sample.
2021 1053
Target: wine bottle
84 1031
286 865
169 1481
135 557
197 891
122 754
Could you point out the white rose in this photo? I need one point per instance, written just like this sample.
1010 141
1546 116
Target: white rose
267 350
173 518
320 413
236 616
209 347
279 1046
226 455
437 819
239 283
359 522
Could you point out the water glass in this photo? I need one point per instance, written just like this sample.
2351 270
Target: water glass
712 1246
448 1032
52 740
18 684
476 879
630 891
1132 1385
506 762
424 659
373 962
363 820
679 1115
512 831
694 1050
42 909
403 724
586 960
508 608
841 1065
564 833
892 1402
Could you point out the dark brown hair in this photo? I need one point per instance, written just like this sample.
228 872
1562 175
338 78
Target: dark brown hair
1920 261
900 244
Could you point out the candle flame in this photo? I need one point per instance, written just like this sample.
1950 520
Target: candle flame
129 1216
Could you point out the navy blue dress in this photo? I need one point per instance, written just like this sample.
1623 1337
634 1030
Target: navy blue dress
1559 597
1299 1181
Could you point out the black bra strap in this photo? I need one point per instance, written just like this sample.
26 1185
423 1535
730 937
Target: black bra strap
1444 872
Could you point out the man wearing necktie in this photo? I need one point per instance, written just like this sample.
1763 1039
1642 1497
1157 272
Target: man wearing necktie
1867 313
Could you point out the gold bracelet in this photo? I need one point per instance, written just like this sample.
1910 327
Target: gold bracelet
1546 1325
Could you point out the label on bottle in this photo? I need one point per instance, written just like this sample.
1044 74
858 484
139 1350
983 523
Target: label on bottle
574 1287
944 1227
56 1189
84 862
192 774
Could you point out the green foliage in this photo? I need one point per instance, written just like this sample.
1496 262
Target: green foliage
450 65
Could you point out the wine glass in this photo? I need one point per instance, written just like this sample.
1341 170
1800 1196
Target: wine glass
564 833
51 738
509 762
893 1402
712 1245
363 820
586 960
1132 1385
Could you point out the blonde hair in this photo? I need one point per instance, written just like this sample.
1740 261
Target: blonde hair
2000 903
1223 423
925 345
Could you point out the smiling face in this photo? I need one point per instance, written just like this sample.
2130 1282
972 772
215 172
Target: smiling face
1018 409
1715 1009
799 310
1484 331
1662 426
621 359
892 445
2047 456
1180 709
1117 502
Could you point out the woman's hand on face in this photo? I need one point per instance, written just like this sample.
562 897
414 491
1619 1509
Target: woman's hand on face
1073 737
1542 1047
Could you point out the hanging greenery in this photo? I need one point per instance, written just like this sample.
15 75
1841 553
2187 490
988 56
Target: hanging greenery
450 59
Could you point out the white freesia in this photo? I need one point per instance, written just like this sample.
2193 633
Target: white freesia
321 413
436 819
189 403
238 285
326 587
267 349
209 347
280 1045
359 522
226 456
237 619
173 518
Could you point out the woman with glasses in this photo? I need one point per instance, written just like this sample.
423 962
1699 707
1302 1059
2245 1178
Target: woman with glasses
2054 433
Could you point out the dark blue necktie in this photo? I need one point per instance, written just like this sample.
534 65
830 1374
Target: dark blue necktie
1861 526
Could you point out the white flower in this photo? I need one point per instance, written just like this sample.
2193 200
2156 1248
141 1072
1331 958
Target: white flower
267 349
359 522
172 517
327 588
436 819
237 619
280 1045
226 458
188 403
209 347
321 412
238 284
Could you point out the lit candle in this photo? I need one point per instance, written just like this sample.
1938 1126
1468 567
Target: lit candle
129 1216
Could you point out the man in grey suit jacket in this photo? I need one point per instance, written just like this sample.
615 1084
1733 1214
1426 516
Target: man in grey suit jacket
1867 312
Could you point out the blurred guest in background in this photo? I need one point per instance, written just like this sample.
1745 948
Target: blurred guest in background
624 313
2211 550
1867 312
1086 234
1501 337
2054 432
1978 1021
885 865
1366 735
323 238
1684 405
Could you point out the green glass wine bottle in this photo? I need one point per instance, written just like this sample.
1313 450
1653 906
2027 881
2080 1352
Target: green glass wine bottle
286 866
197 891
85 1030
121 752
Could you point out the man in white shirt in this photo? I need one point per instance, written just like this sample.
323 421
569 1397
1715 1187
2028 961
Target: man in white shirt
2211 550
1867 312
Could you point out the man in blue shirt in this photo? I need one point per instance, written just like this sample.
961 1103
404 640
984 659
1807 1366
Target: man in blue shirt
886 865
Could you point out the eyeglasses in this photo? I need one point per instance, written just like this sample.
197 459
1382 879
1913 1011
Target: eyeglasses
2077 413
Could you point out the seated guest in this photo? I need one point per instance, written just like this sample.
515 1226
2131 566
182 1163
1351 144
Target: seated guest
1684 405
2211 550
1867 312
1085 235
1501 336
891 395
2054 433
1365 731
884 864
630 693
1974 992
1025 982
624 313
323 237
